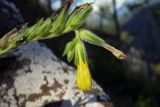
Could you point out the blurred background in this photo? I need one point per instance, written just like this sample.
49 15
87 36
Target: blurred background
132 26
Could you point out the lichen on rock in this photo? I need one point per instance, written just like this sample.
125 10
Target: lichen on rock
38 78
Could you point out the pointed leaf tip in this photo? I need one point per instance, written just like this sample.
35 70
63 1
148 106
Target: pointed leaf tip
117 53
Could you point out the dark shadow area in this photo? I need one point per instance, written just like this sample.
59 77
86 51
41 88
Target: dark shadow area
67 103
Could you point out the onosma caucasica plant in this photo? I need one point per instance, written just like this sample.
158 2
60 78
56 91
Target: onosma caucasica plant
56 25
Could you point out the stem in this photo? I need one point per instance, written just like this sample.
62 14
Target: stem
116 20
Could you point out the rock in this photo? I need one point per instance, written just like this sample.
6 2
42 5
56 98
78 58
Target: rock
33 76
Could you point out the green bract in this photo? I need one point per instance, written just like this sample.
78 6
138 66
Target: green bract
70 49
75 49
80 52
77 17
90 37
58 24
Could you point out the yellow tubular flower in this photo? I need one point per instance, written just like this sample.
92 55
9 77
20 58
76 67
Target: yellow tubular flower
84 79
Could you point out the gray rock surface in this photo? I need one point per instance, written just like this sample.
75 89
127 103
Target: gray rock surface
32 76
